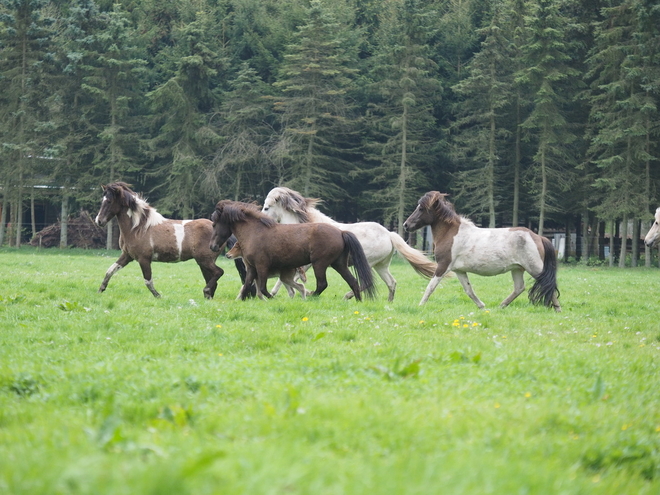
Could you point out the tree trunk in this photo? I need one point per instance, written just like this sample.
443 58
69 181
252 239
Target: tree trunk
516 166
635 242
584 255
3 219
624 242
33 219
402 171
612 234
64 221
544 188
18 224
491 169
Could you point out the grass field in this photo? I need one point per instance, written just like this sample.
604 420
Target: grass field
122 393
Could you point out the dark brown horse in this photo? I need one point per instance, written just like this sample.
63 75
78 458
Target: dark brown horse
461 246
269 247
146 236
286 275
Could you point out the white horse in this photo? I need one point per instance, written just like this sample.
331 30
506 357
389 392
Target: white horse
463 247
653 237
288 206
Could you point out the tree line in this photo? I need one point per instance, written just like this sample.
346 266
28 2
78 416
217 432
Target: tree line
528 112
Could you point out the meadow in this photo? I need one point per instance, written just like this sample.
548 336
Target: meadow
123 393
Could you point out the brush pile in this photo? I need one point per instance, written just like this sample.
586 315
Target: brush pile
82 232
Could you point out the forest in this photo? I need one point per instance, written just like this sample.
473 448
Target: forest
540 113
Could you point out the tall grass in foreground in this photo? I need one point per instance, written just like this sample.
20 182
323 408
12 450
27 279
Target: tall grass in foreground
122 393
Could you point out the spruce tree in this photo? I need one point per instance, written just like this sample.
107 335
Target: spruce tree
404 90
315 80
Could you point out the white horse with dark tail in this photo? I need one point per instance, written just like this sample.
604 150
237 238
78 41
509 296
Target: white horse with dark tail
287 206
464 248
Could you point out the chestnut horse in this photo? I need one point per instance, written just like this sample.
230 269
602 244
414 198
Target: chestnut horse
285 275
268 246
463 247
146 236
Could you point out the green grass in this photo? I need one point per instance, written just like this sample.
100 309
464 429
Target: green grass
122 393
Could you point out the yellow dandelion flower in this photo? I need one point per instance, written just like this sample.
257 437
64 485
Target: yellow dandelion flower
528 394
504 336
220 354
462 317
657 428
218 326
305 318
465 325
421 322
497 405
475 324
356 312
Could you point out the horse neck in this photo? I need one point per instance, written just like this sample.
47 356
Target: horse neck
315 216
441 228
124 222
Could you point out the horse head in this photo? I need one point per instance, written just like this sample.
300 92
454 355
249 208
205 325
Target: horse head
431 207
285 205
227 213
653 237
116 196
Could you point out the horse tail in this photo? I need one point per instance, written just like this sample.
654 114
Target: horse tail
422 265
545 286
361 266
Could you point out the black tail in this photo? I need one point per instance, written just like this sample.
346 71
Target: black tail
545 286
240 267
361 266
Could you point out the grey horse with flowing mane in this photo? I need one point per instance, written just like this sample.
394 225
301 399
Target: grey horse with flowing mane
290 207
146 236
463 247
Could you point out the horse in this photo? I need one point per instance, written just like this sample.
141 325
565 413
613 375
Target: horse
146 236
287 206
287 276
653 237
461 246
268 246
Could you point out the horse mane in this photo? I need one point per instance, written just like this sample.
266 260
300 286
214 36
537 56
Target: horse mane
443 209
296 203
235 211
139 211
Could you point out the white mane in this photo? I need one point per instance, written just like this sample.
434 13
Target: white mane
144 215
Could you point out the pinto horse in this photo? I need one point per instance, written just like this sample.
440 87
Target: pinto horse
268 247
463 247
286 276
653 237
146 236
289 207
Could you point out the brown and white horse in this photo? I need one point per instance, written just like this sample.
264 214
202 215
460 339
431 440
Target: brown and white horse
653 237
268 247
146 236
462 247
289 207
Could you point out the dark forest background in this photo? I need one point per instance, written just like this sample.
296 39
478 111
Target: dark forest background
541 113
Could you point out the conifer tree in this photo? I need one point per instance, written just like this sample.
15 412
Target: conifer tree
315 80
480 136
241 167
551 82
183 138
401 120
26 64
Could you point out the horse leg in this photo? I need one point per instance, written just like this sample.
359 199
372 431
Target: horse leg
212 274
146 274
383 270
123 260
518 287
289 280
467 287
276 287
342 269
262 279
321 279
555 303
250 275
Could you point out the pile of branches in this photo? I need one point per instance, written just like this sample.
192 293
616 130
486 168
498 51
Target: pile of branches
82 232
